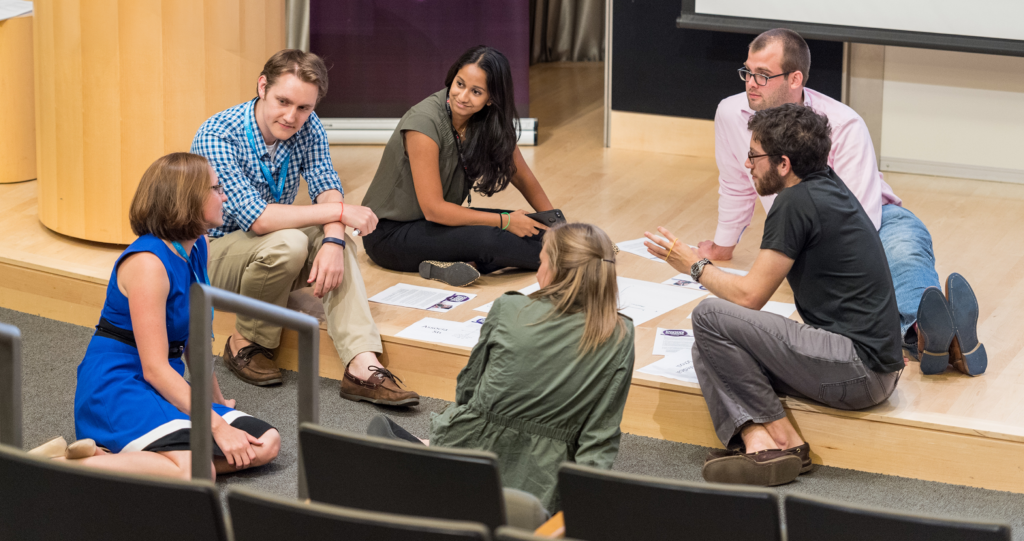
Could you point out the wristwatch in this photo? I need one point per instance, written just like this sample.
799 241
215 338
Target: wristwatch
698 268
333 240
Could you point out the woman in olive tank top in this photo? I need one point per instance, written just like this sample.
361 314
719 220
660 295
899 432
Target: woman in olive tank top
459 139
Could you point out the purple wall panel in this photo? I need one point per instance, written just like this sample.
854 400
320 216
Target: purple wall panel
387 55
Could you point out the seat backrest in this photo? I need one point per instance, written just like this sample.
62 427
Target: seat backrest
43 499
810 518
391 476
257 517
507 533
600 505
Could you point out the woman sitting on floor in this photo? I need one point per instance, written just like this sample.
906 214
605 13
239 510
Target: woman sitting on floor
548 380
460 138
132 397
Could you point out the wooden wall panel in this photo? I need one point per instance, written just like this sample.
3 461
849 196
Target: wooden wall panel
123 82
17 121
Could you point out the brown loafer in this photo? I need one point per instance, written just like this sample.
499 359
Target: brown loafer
254 364
766 468
381 388
803 452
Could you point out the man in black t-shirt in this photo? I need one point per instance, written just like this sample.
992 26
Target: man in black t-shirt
847 353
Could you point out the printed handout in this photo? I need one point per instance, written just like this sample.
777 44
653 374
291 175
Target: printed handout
636 247
678 365
669 341
423 298
644 301
454 333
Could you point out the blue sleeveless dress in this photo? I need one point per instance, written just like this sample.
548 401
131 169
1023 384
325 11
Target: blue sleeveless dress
114 404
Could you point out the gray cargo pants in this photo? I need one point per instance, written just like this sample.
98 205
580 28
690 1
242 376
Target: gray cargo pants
743 357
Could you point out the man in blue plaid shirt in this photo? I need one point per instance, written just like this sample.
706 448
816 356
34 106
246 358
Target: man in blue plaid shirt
267 247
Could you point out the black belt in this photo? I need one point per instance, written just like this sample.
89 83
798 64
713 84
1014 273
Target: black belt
108 330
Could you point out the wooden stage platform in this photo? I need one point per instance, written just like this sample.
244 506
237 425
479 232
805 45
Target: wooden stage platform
949 428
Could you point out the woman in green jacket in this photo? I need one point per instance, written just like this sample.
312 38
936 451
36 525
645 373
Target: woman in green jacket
548 380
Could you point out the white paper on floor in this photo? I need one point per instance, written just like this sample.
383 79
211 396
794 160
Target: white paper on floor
644 301
684 280
636 247
423 298
678 365
454 333
669 341
525 291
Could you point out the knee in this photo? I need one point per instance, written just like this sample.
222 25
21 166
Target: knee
703 314
289 247
271 446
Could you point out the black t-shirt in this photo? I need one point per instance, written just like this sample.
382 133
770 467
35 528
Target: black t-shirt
840 276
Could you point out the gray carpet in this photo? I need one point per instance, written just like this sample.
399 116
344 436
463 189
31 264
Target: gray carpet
52 351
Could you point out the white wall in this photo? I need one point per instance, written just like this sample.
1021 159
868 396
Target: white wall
953 114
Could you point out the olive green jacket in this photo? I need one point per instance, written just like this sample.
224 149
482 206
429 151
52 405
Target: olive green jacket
528 396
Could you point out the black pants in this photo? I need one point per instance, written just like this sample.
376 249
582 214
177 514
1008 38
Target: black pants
401 246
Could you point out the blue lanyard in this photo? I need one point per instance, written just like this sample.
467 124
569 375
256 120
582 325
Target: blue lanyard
275 187
205 280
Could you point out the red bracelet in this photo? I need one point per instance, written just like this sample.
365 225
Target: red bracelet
342 217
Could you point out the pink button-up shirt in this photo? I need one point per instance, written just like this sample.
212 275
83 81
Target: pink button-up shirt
852 157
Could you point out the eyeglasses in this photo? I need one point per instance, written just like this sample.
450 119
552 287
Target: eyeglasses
759 78
751 156
219 188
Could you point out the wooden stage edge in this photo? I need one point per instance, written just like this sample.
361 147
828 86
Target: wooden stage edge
934 447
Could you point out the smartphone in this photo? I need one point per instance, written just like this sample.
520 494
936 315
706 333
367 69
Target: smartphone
549 218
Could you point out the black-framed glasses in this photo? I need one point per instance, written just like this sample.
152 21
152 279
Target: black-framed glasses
219 188
751 156
759 78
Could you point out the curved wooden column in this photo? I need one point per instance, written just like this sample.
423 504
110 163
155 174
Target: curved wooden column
120 83
17 122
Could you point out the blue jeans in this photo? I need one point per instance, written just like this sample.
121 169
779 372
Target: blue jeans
908 247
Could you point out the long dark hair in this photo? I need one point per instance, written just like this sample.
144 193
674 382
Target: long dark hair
492 132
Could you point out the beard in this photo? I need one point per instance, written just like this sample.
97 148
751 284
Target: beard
775 99
770 183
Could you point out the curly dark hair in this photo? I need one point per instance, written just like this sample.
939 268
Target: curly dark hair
795 131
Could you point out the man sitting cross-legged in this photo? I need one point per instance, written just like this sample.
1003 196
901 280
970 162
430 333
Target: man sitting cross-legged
847 355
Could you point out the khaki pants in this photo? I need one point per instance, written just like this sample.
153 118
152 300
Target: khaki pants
269 267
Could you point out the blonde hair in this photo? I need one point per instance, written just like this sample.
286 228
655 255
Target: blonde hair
582 262
169 200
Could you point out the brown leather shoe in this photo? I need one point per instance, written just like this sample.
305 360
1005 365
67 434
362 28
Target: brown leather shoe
254 364
766 468
381 388
803 452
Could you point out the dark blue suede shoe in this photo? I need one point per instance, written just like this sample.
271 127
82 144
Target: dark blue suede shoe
935 331
966 353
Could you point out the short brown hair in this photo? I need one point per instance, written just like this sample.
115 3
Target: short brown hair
796 56
170 198
308 67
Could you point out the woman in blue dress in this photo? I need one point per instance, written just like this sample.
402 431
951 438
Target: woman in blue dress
132 397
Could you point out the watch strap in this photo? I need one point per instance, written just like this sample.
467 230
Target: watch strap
333 240
697 269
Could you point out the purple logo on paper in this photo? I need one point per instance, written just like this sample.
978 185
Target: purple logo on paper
457 298
675 332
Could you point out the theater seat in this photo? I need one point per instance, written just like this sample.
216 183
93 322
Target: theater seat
45 500
602 505
257 517
810 518
391 476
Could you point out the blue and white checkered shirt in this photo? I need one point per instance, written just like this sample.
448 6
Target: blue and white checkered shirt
222 141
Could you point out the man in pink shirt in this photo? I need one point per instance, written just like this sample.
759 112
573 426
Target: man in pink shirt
775 73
